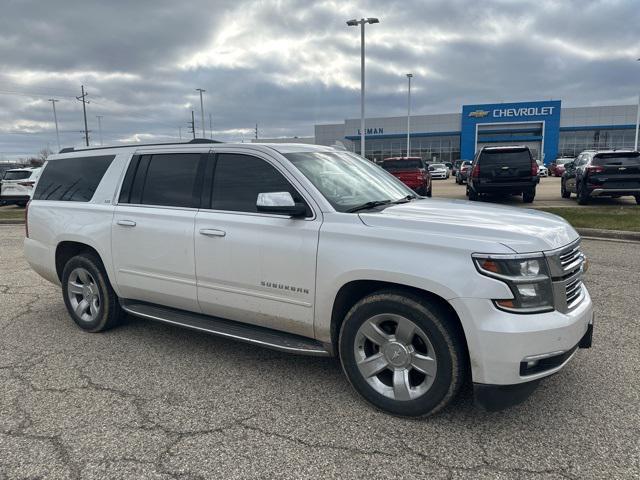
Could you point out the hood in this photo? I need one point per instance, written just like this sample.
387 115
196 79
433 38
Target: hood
522 230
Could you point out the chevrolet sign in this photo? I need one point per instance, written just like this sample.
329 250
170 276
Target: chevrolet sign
479 113
523 112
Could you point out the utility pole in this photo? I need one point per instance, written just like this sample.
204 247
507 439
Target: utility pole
84 101
210 127
202 111
99 117
55 119
193 125
256 131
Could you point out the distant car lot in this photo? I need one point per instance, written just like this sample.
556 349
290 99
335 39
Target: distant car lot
547 195
151 401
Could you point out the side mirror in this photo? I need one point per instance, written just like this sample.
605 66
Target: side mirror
280 203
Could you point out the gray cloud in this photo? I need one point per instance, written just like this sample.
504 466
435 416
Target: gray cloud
292 63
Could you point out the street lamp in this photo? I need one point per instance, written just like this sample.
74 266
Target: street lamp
201 111
355 23
409 77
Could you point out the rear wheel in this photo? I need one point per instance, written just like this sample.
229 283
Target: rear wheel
529 195
401 353
563 191
583 195
429 191
88 294
472 194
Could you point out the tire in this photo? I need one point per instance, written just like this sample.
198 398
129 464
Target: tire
429 192
473 195
637 199
564 193
434 345
582 194
101 310
529 195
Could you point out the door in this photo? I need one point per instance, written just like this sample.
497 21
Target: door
152 230
253 267
570 173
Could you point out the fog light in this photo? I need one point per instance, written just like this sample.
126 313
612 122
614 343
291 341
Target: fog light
532 363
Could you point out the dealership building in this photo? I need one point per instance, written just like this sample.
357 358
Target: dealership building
547 128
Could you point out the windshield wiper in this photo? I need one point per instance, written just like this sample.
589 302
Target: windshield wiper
368 205
406 199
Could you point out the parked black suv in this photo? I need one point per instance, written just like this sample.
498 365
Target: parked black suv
610 173
508 170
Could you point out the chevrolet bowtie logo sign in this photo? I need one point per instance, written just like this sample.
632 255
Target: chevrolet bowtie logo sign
479 113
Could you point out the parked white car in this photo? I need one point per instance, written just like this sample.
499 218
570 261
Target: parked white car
16 186
439 170
317 251
543 171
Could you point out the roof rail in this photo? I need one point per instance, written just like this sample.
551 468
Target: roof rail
195 140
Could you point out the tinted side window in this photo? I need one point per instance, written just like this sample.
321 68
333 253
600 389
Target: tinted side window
72 179
171 179
238 179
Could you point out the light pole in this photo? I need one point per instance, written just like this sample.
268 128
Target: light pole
202 110
55 119
355 23
99 117
635 144
409 77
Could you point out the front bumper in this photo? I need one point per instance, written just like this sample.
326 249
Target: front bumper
438 175
498 342
499 397
598 191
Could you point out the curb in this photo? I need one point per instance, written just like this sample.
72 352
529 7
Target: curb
609 234
12 222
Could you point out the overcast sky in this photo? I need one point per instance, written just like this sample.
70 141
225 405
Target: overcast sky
290 64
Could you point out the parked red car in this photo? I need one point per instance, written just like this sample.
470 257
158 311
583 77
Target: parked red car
556 169
411 171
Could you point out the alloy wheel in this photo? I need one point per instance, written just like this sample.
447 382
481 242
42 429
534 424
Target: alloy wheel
395 357
84 294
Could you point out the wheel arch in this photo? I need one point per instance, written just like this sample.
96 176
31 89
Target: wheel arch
352 292
68 248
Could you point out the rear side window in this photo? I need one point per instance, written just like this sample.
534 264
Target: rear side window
627 159
17 175
171 180
499 158
72 179
238 179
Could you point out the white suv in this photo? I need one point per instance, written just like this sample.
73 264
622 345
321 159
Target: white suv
17 185
317 251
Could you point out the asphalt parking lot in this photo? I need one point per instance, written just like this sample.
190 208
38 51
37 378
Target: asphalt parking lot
150 401
547 195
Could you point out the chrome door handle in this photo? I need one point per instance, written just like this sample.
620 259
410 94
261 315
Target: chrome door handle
126 223
211 232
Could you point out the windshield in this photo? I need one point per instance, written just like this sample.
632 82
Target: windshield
563 161
347 180
437 166
407 164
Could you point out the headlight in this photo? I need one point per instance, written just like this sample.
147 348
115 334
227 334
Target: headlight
527 277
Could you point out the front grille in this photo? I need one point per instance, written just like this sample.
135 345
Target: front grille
565 266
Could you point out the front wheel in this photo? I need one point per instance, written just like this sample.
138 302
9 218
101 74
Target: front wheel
88 295
401 353
564 193
472 194
429 191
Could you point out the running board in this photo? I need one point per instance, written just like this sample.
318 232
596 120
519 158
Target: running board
264 337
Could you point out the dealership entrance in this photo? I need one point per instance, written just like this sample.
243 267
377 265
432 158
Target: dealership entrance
533 124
